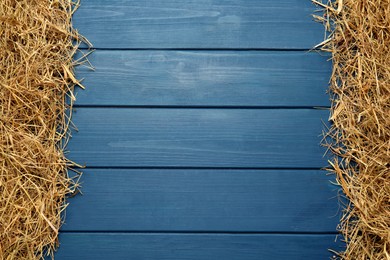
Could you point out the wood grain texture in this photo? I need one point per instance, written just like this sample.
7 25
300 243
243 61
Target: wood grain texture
142 137
217 211
100 246
204 200
282 24
205 78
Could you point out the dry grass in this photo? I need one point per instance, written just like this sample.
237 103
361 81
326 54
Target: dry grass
36 79
360 86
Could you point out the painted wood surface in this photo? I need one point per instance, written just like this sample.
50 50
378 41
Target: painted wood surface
199 134
205 78
154 246
282 24
267 138
204 200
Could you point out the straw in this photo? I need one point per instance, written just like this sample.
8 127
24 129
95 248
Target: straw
36 82
359 41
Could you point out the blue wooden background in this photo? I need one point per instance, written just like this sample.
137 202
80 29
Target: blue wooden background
200 129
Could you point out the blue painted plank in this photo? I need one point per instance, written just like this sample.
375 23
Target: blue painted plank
103 246
205 78
204 200
282 24
198 137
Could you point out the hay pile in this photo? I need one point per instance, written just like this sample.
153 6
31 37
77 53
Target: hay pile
36 77
360 86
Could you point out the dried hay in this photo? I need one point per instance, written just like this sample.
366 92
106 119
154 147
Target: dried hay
36 80
359 41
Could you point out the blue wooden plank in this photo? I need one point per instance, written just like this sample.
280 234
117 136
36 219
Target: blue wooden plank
282 24
119 246
204 200
143 137
205 78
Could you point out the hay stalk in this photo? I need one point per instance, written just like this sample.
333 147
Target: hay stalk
36 81
359 42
